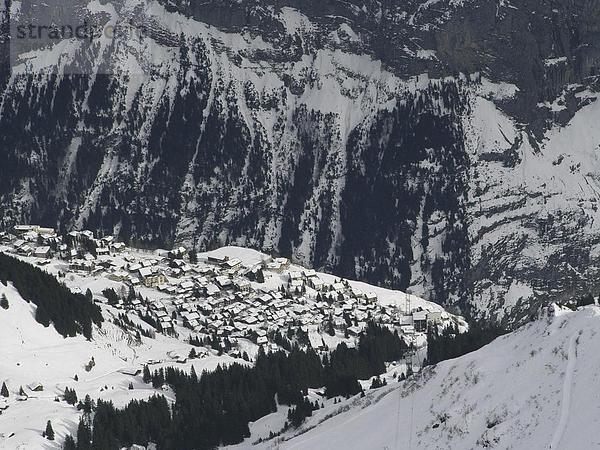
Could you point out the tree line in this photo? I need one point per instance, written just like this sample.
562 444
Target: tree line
215 408
450 343
69 313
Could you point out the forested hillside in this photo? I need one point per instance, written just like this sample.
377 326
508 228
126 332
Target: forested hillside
56 305
214 408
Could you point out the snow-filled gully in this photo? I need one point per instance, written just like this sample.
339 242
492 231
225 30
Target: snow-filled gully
565 404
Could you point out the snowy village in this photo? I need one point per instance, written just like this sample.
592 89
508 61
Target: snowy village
230 294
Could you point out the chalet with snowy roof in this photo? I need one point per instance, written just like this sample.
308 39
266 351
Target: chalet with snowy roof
25 250
216 260
117 247
316 283
102 251
106 241
420 321
241 284
371 297
186 286
354 330
296 284
307 273
18 243
118 275
250 320
166 326
231 263
278 265
22 229
338 287
151 277
35 387
46 231
178 253
191 320
134 267
223 282
81 265
407 329
295 276
131 371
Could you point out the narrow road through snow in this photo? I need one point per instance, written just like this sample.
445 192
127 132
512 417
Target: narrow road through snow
565 404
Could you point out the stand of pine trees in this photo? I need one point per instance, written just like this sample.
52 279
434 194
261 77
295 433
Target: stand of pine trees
348 365
587 299
69 313
214 408
70 396
451 344
301 411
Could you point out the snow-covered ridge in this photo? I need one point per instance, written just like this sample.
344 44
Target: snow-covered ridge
529 389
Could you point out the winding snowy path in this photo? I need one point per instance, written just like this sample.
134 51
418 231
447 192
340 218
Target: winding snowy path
565 404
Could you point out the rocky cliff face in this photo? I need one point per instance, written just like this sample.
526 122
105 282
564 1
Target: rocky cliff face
310 129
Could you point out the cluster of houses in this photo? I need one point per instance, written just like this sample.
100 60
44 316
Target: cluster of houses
79 247
219 296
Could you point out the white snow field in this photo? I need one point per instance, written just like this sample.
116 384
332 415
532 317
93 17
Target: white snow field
30 353
536 388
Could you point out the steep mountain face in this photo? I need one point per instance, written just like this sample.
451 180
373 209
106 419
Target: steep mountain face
311 129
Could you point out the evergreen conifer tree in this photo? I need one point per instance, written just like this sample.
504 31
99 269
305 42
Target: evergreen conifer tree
69 443
88 405
70 396
4 390
4 302
84 436
49 431
260 277
146 377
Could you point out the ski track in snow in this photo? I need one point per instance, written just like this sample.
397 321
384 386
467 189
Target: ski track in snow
565 404
364 410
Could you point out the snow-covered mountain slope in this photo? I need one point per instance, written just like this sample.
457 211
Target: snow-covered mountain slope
533 388
31 354
532 208
411 145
